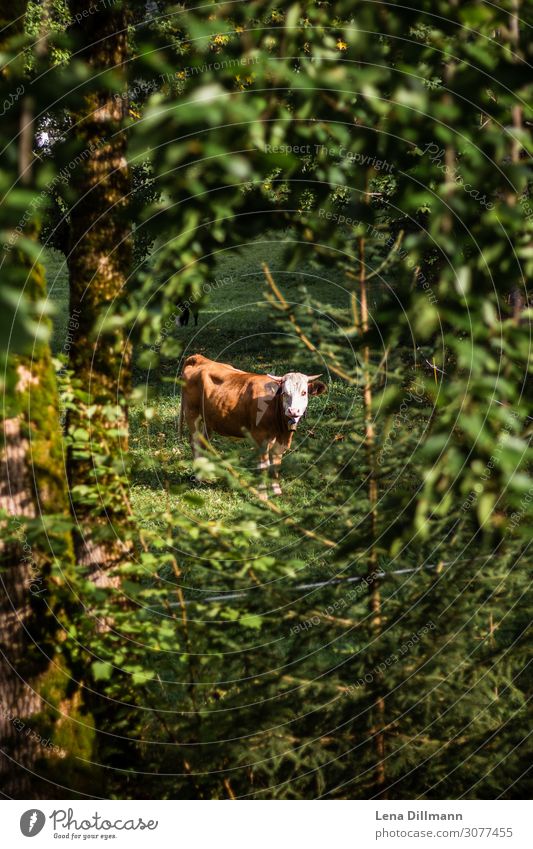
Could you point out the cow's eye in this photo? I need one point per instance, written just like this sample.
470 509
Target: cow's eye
304 392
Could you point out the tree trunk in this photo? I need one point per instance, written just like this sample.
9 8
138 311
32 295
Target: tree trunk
516 298
22 567
99 262
35 709
377 729
20 698
32 484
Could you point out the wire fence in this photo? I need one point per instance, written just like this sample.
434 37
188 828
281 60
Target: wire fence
235 595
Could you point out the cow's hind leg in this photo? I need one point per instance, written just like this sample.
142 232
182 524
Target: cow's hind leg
199 434
276 466
263 467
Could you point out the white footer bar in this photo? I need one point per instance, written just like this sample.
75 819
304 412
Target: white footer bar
267 824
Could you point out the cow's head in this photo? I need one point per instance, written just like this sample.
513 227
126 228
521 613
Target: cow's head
295 389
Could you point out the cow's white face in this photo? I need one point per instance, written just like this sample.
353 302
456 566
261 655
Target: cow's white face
295 390
294 396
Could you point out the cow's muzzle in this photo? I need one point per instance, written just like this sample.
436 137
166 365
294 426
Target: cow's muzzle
292 423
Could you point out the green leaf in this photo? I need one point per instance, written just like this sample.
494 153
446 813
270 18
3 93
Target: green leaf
142 677
101 670
485 506
251 621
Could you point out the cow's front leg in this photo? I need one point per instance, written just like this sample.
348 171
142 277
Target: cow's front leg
262 467
276 466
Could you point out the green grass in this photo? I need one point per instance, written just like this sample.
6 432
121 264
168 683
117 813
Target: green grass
236 326
57 283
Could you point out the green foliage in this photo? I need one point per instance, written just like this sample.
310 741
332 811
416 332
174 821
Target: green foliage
365 155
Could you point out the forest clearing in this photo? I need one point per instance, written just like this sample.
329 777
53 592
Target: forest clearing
334 201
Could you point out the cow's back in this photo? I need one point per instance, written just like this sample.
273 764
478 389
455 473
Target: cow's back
228 400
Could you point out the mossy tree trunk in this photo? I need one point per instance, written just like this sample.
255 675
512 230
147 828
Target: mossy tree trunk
99 262
34 561
33 556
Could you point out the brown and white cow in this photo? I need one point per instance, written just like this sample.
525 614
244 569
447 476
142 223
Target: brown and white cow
222 399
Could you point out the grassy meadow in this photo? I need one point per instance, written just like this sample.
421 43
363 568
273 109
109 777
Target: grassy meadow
236 325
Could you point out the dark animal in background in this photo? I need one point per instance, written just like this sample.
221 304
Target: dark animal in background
185 313
518 303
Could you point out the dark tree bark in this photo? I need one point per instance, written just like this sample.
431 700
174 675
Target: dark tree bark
21 663
516 299
35 709
99 262
32 484
20 697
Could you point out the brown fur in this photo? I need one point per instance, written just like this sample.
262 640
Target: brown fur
222 399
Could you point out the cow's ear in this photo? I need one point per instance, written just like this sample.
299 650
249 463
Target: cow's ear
277 379
316 387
